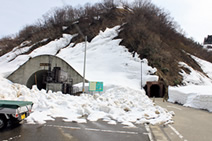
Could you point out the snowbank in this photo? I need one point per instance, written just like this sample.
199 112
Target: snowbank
199 97
117 104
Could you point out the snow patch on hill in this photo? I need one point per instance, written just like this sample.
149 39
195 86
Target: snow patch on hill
108 61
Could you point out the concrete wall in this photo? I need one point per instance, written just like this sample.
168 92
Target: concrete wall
24 72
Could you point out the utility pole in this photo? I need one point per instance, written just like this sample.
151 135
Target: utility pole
83 85
141 75
85 37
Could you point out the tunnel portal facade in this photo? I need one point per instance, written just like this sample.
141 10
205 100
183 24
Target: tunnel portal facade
47 72
155 89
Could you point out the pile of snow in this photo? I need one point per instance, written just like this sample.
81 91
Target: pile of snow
198 90
116 104
107 61
195 96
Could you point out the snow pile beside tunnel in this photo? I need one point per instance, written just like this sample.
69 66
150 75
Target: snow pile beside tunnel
117 104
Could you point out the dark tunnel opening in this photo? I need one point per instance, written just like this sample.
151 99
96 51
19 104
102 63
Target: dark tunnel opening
38 78
155 91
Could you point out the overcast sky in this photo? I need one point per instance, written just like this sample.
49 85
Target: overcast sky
193 16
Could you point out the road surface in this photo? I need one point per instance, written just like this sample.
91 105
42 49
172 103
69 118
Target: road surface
189 124
69 131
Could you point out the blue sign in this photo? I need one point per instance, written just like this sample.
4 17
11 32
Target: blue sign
96 86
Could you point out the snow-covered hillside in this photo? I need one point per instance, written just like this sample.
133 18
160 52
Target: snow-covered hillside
122 100
107 61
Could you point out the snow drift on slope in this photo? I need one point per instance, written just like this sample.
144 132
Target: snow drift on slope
11 61
108 61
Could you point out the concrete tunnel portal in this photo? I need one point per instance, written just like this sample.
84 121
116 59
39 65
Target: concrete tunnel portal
155 89
47 72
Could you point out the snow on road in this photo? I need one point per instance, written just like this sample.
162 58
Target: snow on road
116 104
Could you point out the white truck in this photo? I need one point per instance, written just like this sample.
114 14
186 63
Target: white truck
13 111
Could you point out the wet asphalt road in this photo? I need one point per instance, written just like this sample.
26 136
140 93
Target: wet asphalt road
189 124
68 131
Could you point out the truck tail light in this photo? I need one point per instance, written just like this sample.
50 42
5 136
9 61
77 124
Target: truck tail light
16 115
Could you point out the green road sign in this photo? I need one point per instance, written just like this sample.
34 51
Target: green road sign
96 86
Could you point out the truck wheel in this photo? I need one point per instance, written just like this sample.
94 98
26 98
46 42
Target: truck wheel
3 122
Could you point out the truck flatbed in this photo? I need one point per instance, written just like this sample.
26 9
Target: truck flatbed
13 104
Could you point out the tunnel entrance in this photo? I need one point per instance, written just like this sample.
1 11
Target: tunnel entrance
55 80
37 78
154 89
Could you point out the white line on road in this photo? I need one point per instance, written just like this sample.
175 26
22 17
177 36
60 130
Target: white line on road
174 107
67 127
176 132
93 129
149 132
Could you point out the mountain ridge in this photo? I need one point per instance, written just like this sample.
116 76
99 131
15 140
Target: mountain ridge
145 29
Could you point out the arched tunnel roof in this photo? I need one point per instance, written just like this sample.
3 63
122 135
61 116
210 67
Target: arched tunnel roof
38 63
